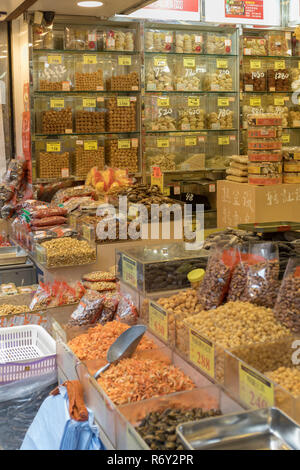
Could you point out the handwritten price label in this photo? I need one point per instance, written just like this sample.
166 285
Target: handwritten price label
279 101
163 143
223 102
89 102
129 270
90 145
158 320
189 62
57 103
255 64
202 353
285 138
255 101
160 61
190 141
255 390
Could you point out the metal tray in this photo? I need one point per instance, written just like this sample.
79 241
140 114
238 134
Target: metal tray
12 255
270 227
265 429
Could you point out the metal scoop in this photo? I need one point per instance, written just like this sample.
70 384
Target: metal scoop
124 346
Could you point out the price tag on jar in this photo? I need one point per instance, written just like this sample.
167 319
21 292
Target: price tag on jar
123 101
223 102
89 102
193 102
189 62
279 64
255 390
157 178
190 141
279 101
124 144
162 143
222 63
160 61
90 145
89 59
255 64
57 103
124 60
163 101
54 59
223 140
129 271
53 146
255 102
65 173
158 320
202 353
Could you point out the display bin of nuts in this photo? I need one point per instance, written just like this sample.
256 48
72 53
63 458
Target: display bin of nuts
122 73
53 72
279 77
255 75
63 252
160 72
191 112
89 115
89 73
81 38
121 39
53 115
253 104
220 147
89 153
121 114
160 112
189 73
123 153
151 424
220 75
159 40
277 377
159 268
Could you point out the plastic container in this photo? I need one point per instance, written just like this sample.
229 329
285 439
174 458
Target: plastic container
25 351
187 42
195 277
159 41
279 43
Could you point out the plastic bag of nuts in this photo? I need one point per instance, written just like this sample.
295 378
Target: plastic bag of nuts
287 307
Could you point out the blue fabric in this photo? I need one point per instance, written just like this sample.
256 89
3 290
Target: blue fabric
53 429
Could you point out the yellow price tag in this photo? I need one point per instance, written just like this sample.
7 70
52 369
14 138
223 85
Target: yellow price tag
89 102
57 103
255 390
285 138
158 320
279 101
223 101
86 232
53 146
72 221
255 102
190 141
222 63
129 271
90 145
163 143
124 144
123 101
160 61
89 59
192 102
297 156
223 140
255 64
189 62
202 353
54 59
163 102
279 64
124 60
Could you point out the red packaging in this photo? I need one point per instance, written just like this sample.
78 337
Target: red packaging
49 212
48 221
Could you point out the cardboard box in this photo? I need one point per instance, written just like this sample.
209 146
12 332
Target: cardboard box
240 203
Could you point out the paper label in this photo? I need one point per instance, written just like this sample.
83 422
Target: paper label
124 144
123 101
163 143
158 320
223 140
255 102
279 64
163 101
124 60
190 141
89 102
285 138
54 59
279 101
57 103
193 102
160 61
90 145
129 270
223 101
189 62
53 146
202 353
255 64
222 63
65 173
255 390
89 59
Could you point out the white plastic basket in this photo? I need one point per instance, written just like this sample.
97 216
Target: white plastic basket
25 351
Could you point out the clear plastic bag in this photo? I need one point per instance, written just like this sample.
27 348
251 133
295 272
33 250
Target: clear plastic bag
89 309
126 311
287 306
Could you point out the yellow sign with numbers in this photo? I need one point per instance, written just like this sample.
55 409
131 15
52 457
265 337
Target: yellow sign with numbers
158 320
202 353
255 390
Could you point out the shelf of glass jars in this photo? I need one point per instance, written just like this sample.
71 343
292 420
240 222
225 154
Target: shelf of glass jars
82 51
184 54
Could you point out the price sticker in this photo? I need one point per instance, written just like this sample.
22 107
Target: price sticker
255 102
72 221
223 101
279 64
53 146
202 353
189 62
124 60
90 145
123 101
86 232
193 102
190 141
89 102
158 320
255 64
255 390
223 140
163 101
129 271
160 61
279 101
124 144
65 173
285 138
57 103
222 63
54 59
297 156
89 59
163 143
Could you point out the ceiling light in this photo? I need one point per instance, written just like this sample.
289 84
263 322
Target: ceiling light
90 4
